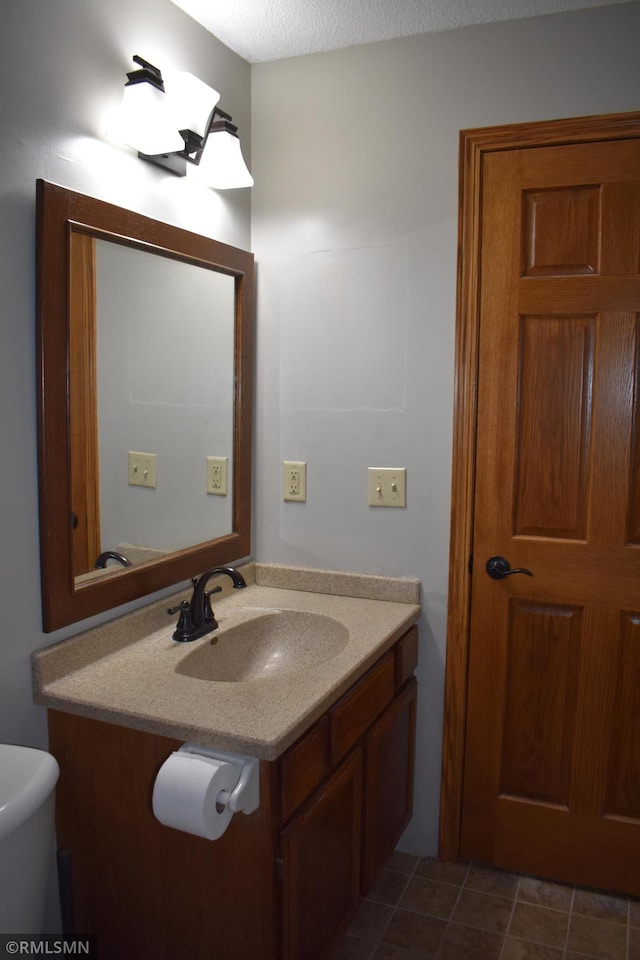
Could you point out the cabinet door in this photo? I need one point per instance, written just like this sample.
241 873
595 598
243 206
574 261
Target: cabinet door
320 853
388 792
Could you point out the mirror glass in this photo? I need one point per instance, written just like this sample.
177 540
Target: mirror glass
145 352
164 337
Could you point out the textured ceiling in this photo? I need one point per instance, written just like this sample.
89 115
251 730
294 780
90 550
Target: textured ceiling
260 30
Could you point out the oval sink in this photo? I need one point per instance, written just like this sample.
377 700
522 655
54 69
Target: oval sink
268 645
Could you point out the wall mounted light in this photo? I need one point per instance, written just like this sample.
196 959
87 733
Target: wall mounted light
172 122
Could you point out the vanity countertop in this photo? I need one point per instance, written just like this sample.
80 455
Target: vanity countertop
124 671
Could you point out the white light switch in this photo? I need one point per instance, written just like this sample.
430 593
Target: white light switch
387 486
217 476
294 480
142 469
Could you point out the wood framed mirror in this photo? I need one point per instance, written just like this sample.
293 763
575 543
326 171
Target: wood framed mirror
145 349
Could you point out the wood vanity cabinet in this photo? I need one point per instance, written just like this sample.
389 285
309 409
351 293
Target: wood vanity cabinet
280 884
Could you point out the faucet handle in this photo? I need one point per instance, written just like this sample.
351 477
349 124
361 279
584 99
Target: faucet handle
184 627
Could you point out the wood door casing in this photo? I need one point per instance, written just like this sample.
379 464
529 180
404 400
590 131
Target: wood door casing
83 403
555 765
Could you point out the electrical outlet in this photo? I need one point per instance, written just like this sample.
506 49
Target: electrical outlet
217 476
294 480
387 486
142 469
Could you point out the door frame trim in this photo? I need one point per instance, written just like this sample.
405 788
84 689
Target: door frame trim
474 144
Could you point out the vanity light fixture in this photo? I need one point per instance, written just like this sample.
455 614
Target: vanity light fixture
222 163
145 120
172 123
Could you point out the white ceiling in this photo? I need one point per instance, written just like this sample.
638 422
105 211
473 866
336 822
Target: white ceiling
260 30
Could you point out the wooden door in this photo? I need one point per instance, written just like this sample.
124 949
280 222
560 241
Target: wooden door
552 749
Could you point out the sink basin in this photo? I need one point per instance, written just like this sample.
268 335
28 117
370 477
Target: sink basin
268 645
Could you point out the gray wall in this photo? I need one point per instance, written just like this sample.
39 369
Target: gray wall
62 65
354 228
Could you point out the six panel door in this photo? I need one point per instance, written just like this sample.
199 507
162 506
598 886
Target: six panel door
552 758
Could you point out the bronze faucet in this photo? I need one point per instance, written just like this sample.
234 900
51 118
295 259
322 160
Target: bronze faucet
197 618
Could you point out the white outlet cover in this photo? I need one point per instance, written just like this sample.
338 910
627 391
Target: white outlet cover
217 468
294 480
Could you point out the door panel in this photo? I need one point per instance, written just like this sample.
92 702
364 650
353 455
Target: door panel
538 721
561 228
554 413
633 506
623 774
552 749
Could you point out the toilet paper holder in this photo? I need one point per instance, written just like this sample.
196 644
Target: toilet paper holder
245 796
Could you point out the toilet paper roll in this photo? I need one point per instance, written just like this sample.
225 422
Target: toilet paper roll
185 794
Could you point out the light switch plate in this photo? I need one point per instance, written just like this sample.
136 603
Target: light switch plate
217 476
142 469
294 480
387 486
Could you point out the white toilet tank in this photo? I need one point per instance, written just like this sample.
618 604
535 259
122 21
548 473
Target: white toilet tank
27 780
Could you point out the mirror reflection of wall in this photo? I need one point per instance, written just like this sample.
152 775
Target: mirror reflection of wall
164 365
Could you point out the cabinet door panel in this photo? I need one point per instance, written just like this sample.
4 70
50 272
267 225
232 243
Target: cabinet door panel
388 797
321 864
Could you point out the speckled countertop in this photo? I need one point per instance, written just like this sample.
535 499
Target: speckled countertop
125 671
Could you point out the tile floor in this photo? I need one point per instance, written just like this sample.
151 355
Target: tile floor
420 908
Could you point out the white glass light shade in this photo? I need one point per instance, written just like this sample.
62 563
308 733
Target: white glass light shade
146 122
192 101
222 166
